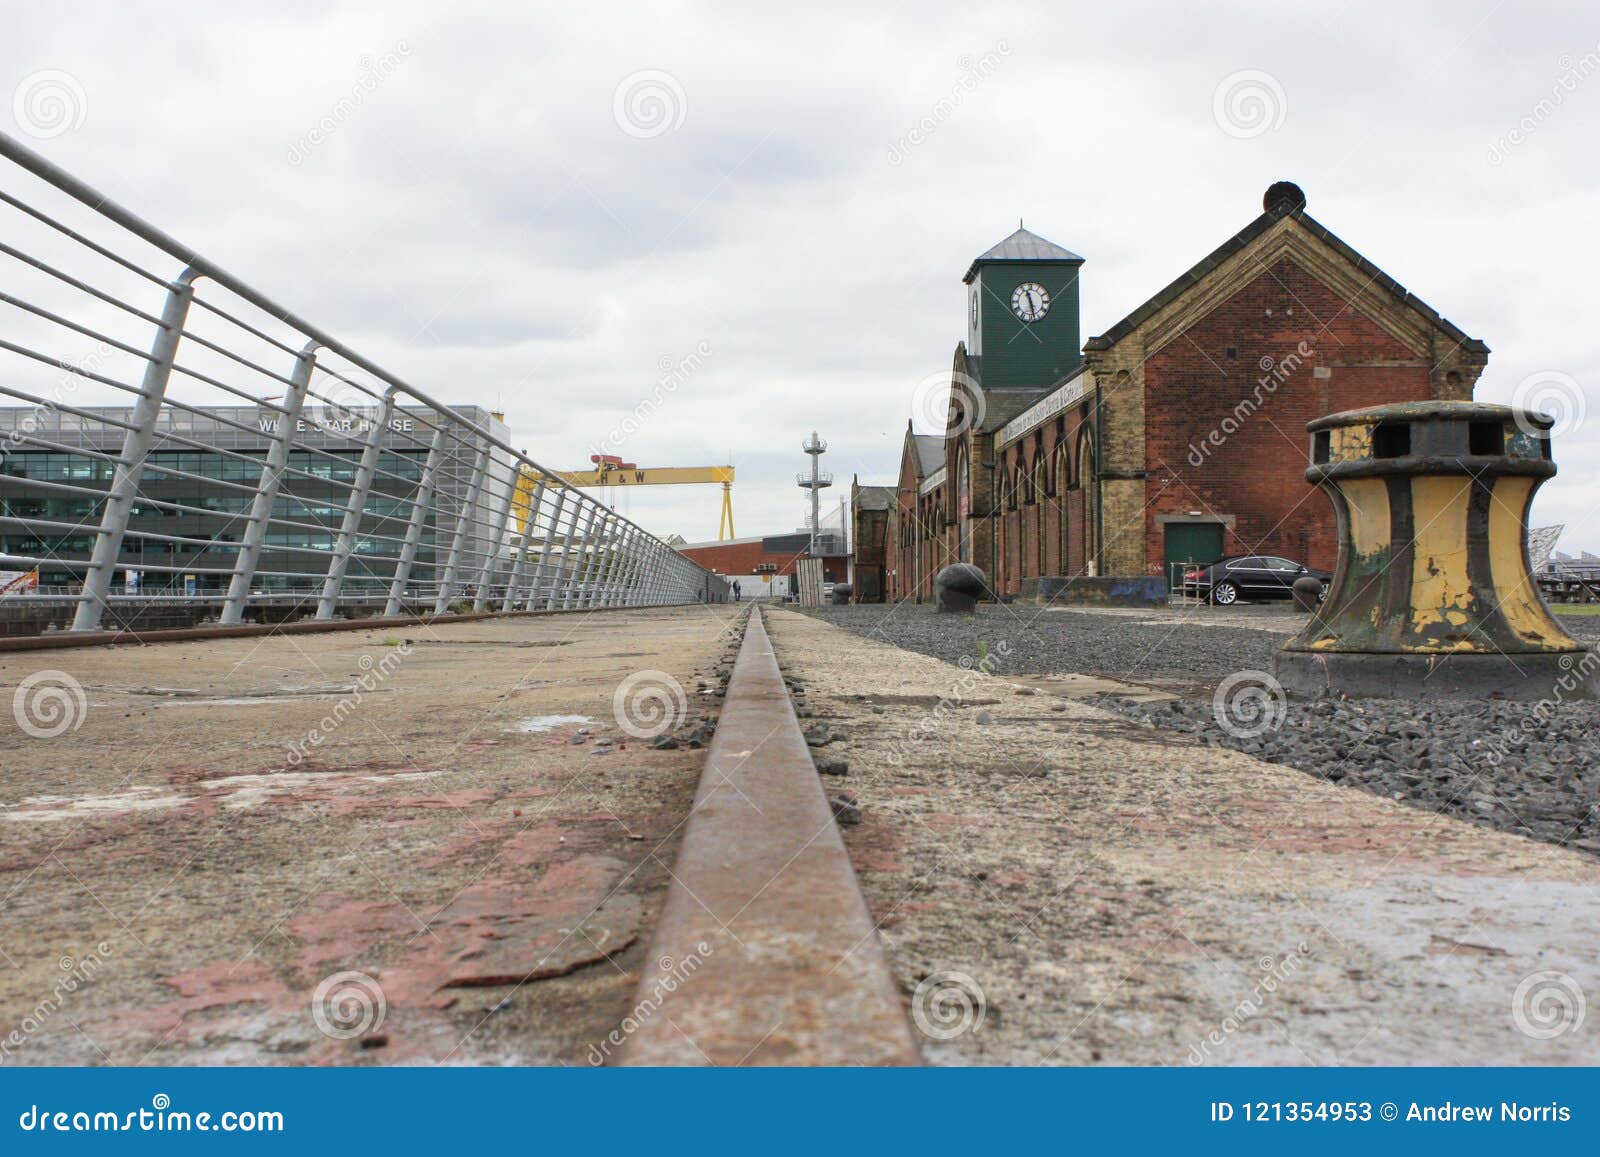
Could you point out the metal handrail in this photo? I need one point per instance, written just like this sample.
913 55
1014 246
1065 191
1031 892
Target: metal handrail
400 467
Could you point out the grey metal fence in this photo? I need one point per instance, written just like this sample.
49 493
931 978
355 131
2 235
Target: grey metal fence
179 435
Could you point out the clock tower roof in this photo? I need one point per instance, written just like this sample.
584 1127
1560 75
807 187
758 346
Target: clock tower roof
1023 246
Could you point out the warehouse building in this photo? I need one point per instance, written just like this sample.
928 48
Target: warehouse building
771 557
1179 433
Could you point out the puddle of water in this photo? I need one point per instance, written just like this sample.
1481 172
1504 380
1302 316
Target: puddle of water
535 724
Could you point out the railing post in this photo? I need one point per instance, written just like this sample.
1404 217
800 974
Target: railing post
610 581
647 574
344 545
636 587
630 591
623 579
135 447
486 572
421 501
594 576
673 592
668 578
593 532
519 564
469 515
255 528
536 589
564 563
573 592
658 571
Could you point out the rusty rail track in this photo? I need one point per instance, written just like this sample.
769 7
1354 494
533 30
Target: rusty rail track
786 964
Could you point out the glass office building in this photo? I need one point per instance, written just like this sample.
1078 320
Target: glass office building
187 522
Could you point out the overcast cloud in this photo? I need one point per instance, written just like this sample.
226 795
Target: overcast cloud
796 190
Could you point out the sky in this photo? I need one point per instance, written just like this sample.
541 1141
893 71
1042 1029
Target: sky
690 234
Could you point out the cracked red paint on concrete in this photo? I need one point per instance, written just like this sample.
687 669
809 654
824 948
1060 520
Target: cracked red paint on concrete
254 882
227 982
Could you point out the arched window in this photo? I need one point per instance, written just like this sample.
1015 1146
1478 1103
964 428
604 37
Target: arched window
1091 501
1065 501
1040 489
963 511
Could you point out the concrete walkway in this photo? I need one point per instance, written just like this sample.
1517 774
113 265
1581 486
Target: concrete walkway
358 847
1056 885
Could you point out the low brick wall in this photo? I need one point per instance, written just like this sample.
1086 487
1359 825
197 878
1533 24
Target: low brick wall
1108 591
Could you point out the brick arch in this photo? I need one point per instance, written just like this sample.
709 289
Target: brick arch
1089 502
1010 522
1062 506
961 488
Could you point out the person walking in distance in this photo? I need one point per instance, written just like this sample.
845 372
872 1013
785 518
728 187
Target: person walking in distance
736 591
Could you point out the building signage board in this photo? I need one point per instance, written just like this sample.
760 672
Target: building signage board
1047 407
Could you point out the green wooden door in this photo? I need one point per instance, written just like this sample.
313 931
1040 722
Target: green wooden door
1199 542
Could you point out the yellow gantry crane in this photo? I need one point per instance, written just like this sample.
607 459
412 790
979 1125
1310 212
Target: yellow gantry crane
609 470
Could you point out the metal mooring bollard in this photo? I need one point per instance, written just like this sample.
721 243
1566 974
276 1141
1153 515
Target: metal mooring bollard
958 587
1307 592
1433 596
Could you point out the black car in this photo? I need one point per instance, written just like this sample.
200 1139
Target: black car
1249 576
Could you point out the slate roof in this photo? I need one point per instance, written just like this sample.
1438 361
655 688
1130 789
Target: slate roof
1001 405
874 497
930 453
1023 246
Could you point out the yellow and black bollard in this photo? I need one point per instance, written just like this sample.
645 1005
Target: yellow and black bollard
1433 595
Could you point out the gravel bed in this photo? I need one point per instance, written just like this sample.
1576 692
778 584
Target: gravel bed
1515 767
1508 766
1176 656
1584 628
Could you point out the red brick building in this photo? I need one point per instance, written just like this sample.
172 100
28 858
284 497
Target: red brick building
869 539
774 554
1180 433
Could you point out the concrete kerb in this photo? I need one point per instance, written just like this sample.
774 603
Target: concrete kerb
62 639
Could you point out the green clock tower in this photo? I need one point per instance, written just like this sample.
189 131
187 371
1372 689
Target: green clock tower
1022 312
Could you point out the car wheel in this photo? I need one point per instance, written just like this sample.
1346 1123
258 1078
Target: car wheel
1225 594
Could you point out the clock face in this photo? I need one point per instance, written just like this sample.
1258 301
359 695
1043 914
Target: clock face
1030 301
